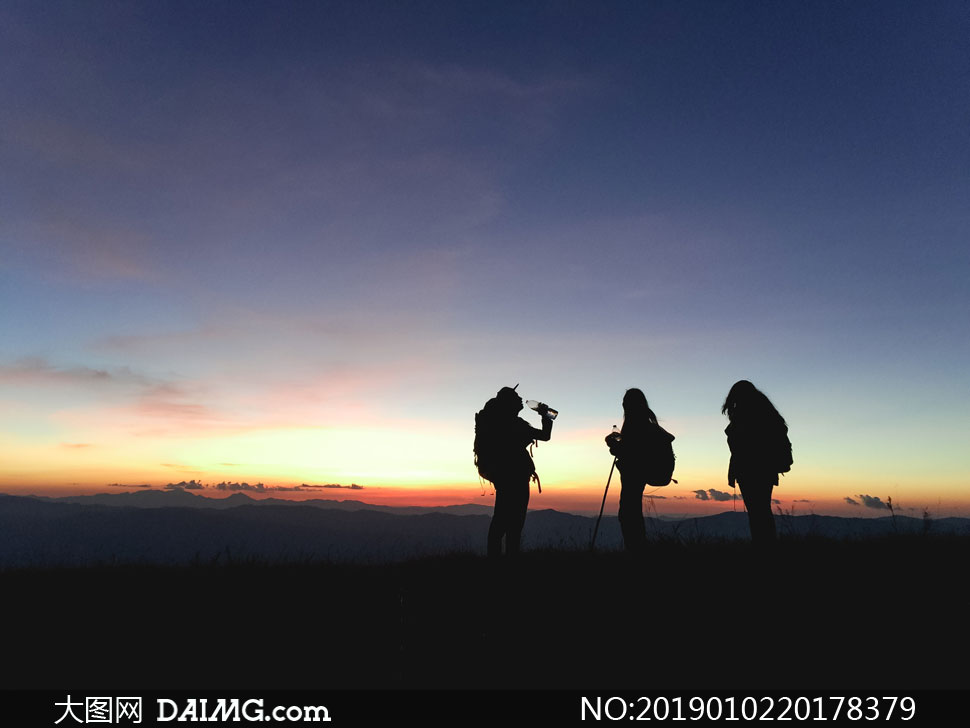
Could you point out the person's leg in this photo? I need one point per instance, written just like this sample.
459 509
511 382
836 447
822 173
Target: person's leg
499 524
631 517
516 519
757 500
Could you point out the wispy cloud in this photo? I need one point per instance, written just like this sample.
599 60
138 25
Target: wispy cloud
185 485
352 486
263 488
870 501
149 405
168 401
92 250
712 494
37 371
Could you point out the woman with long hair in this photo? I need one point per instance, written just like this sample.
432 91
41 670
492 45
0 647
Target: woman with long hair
641 448
757 436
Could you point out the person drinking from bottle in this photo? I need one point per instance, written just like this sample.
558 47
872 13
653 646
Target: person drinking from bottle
502 457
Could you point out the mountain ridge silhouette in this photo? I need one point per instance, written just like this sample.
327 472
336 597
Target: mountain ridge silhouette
39 532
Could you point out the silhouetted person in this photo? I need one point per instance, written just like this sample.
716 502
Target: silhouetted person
642 448
758 438
501 442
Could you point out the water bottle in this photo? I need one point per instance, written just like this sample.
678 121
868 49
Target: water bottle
613 439
535 405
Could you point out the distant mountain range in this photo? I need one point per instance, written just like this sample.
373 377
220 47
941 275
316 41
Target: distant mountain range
177 527
182 498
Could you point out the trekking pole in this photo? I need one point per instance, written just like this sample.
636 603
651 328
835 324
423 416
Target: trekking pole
592 543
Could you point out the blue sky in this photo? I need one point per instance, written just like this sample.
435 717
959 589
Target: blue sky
346 215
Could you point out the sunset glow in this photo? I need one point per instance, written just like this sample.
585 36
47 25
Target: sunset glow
268 254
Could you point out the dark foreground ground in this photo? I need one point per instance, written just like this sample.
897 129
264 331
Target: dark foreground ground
879 613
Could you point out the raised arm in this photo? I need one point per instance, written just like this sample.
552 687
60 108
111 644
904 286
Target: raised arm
545 433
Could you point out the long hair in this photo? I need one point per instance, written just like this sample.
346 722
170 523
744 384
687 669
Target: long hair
636 412
747 403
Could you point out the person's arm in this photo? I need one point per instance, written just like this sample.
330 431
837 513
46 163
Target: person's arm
545 433
546 429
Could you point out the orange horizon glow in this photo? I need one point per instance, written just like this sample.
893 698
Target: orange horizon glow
670 501
427 463
202 285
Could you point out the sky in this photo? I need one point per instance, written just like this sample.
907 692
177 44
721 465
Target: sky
303 243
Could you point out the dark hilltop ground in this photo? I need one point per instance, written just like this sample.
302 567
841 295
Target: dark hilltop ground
817 613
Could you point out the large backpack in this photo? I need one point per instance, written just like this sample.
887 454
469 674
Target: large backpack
486 446
659 466
499 453
784 461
